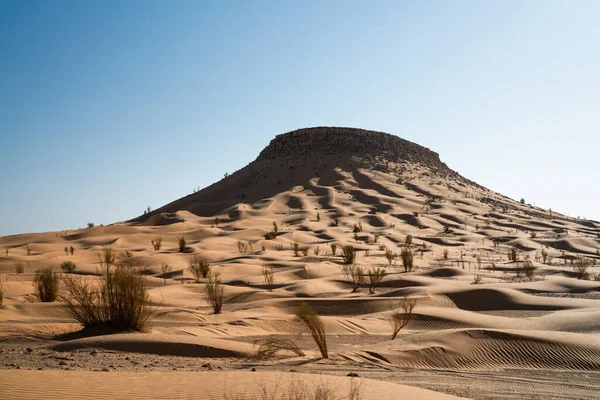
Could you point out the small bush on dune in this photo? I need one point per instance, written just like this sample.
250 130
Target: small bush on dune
67 250
200 268
305 251
182 243
407 257
476 280
333 248
68 267
120 301
164 270
445 254
28 250
269 278
309 318
408 240
72 250
390 256
402 315
512 255
46 285
242 248
157 243
348 254
270 346
213 293
354 276
375 277
19 267
580 267
296 248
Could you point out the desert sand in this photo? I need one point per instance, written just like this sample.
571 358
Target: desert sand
479 330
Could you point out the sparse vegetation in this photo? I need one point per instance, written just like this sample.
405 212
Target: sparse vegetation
164 270
157 243
71 250
272 345
68 267
242 247
476 280
90 224
357 227
305 251
375 277
46 285
2 291
106 257
402 315
512 255
19 267
407 256
309 318
333 248
348 254
268 277
408 240
580 266
273 233
121 301
182 243
317 250
67 250
279 247
200 268
390 256
28 250
445 254
213 293
354 276
296 248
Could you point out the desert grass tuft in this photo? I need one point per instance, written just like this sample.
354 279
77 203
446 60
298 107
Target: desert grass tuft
119 301
19 267
213 293
156 243
46 285
348 254
182 243
309 318
407 257
68 267
580 267
200 268
272 345
268 277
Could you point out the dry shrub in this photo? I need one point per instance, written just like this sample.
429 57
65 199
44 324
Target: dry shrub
270 346
445 254
46 285
213 293
68 267
354 276
375 276
580 267
71 250
242 247
19 267
106 257
28 250
157 243
317 250
512 255
528 269
2 291
333 248
408 240
164 270
390 256
298 389
182 243
407 257
120 300
402 315
269 278
200 268
296 248
279 247
348 254
476 280
309 318
305 251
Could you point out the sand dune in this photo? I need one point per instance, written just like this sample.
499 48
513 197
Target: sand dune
317 198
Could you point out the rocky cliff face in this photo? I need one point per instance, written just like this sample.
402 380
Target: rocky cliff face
364 148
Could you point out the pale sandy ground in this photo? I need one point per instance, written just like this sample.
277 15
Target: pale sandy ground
504 338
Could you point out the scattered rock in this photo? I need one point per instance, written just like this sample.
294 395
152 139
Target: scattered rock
253 370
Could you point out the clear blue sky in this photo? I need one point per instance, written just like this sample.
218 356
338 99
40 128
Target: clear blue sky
107 107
